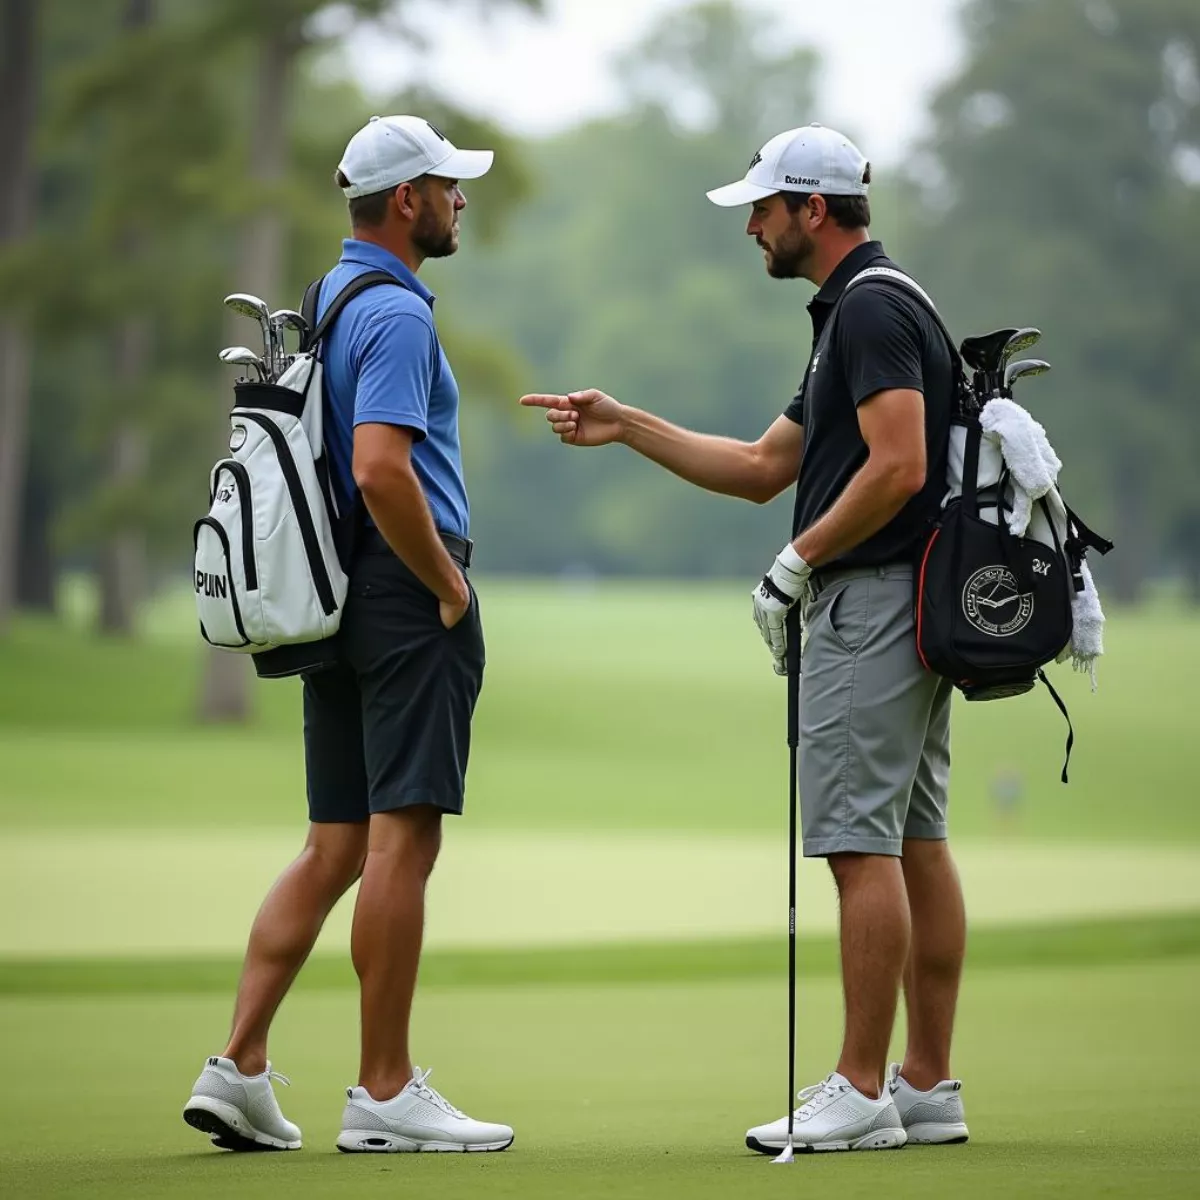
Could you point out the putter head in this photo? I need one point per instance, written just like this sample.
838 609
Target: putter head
786 1155
248 306
1022 369
983 353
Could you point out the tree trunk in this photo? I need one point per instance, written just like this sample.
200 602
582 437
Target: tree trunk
122 574
37 570
123 556
1125 569
225 690
18 96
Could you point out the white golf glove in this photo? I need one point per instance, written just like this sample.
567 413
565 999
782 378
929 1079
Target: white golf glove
781 587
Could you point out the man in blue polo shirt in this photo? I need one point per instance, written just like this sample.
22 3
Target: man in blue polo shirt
387 731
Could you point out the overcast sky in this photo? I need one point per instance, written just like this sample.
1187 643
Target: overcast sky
882 59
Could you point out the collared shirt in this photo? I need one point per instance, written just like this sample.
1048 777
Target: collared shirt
384 363
884 338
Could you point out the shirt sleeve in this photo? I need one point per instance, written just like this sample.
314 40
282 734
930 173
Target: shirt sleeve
394 360
795 410
878 344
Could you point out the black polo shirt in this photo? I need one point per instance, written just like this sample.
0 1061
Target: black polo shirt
884 337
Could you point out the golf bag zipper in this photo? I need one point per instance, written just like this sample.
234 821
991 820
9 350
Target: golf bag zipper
308 531
239 472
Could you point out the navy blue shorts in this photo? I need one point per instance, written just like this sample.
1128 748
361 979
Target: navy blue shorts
390 726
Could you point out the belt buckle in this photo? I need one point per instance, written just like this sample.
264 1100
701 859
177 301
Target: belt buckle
468 552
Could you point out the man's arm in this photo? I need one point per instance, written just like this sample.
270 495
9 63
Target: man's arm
893 426
756 471
392 492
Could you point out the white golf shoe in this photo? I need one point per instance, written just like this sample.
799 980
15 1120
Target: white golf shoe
834 1115
934 1117
239 1112
419 1118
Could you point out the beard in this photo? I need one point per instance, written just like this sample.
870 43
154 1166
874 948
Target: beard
790 255
433 238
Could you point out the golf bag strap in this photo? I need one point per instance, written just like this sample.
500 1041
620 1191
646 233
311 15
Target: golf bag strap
359 283
1062 708
1087 537
887 274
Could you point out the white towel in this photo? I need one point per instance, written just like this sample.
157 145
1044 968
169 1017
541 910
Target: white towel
1034 469
1028 454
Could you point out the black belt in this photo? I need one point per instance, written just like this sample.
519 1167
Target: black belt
460 549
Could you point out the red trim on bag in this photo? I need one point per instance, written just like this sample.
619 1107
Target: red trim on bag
937 533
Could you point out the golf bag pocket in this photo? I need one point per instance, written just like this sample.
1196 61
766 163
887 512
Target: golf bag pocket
991 608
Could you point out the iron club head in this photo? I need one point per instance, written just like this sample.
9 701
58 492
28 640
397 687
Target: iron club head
1019 370
1018 343
241 356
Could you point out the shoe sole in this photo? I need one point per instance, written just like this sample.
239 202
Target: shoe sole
937 1135
228 1127
883 1139
366 1141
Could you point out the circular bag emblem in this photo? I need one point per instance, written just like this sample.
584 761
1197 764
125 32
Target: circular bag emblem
237 439
993 605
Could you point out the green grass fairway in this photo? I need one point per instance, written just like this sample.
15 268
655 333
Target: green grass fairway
621 1091
650 715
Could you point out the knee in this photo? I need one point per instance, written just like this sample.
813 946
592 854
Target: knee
410 839
336 853
861 870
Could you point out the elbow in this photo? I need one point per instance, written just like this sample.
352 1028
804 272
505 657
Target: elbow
904 479
372 475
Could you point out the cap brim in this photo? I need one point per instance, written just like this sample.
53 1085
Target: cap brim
465 164
743 192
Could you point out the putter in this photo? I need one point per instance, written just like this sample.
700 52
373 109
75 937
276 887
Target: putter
792 624
239 356
257 310
983 355
1019 370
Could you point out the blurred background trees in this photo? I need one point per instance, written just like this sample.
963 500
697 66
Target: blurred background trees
160 154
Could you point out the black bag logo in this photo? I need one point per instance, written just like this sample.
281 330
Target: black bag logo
993 603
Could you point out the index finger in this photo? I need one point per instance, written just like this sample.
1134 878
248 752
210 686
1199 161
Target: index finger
539 400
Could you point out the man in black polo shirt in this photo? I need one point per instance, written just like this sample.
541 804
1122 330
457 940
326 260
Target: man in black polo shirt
866 438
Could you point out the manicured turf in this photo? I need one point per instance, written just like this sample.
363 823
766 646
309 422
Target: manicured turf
649 737
657 711
1078 1083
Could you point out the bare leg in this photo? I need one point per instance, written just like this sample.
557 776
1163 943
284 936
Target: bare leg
285 931
934 968
389 922
875 935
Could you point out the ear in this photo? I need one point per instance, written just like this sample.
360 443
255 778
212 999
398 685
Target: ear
405 197
817 210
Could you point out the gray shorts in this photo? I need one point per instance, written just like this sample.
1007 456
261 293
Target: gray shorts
874 724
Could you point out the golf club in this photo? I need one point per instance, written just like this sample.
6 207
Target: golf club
1019 370
238 356
792 620
257 310
1022 340
281 319
983 355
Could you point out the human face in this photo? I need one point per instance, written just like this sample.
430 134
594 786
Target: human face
435 232
788 248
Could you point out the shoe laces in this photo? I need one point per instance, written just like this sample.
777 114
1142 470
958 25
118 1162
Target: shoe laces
279 1077
420 1087
813 1098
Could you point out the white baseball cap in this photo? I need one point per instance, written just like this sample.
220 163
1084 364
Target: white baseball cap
809 159
389 151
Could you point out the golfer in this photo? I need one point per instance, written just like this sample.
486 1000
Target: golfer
866 438
386 732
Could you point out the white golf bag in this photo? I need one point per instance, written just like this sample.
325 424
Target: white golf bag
269 570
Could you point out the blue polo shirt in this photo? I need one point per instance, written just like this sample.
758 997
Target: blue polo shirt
384 363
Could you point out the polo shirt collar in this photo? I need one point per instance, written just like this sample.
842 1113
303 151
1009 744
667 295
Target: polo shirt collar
857 260
368 254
